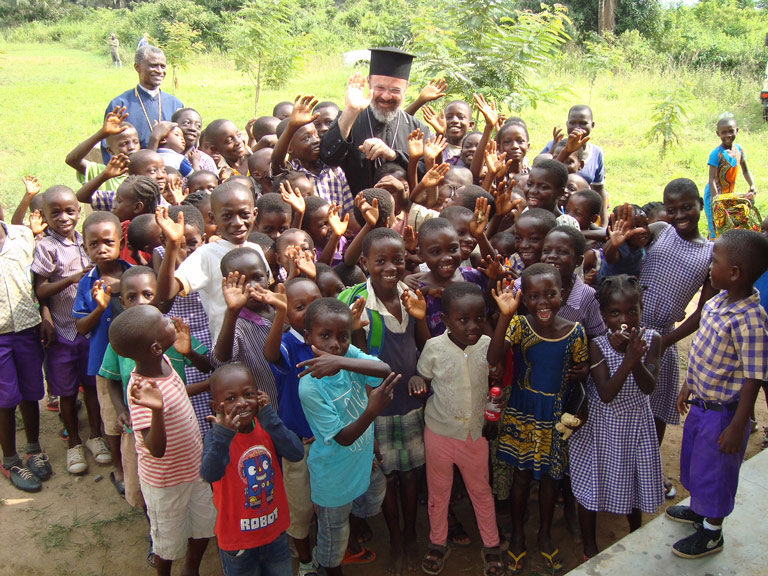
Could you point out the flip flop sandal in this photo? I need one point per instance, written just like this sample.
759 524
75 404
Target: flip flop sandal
492 564
434 560
458 536
515 562
365 556
552 561
669 489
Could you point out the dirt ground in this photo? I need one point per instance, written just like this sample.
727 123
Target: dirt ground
80 526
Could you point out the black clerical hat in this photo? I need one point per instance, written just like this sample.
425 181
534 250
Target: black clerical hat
391 62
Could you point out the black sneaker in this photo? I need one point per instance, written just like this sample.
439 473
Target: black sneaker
703 542
39 465
22 478
684 514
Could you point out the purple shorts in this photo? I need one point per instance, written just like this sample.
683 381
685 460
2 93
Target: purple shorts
67 366
711 476
21 367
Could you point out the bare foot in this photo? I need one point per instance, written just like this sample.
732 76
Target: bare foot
412 556
396 561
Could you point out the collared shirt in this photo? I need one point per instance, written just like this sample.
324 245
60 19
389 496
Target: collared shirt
84 305
57 257
18 307
201 272
293 350
730 347
372 302
330 184
459 386
338 474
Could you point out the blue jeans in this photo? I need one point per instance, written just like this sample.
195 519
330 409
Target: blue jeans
333 523
273 559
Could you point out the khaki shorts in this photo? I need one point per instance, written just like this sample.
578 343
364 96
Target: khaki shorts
107 408
131 471
177 513
296 480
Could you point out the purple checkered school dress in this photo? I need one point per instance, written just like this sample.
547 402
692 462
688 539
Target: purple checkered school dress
673 272
614 458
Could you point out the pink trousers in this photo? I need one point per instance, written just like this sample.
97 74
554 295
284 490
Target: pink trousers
471 456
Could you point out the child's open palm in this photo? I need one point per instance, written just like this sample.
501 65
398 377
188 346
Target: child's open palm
411 239
487 109
415 304
480 218
370 211
31 185
175 190
114 120
146 393
435 175
576 140
358 95
235 291
117 166
293 197
437 121
37 223
183 344
358 307
336 222
305 263
416 144
507 302
274 299
492 266
302 111
434 90
433 147
173 231
101 294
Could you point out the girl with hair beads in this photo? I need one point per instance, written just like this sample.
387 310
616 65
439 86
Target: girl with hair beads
553 351
615 458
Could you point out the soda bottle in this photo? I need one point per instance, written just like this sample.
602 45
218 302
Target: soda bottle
493 408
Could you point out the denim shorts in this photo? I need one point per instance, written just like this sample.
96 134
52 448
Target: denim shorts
273 559
333 523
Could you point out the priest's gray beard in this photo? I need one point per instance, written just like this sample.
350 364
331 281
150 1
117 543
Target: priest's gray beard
382 115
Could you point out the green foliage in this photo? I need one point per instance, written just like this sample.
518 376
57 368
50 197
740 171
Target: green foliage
262 45
479 46
181 44
669 116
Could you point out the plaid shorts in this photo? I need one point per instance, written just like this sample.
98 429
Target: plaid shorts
401 441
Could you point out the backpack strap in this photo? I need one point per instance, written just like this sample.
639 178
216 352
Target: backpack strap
376 330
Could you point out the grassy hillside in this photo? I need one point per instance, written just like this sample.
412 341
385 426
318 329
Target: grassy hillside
55 96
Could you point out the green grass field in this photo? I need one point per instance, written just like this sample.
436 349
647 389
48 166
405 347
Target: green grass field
55 97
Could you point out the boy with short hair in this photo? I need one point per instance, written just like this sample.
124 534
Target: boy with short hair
21 368
100 181
94 310
224 139
179 503
332 390
245 445
301 140
234 213
60 262
727 361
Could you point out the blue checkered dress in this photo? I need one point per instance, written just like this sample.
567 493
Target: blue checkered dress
614 458
673 272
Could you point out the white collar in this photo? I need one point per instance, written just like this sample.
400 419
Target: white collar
296 334
152 93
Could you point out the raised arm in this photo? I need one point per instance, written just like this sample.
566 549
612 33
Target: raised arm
112 125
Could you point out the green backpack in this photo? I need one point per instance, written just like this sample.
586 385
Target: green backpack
376 322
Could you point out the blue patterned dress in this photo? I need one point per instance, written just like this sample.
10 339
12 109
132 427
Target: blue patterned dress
528 438
615 463
673 272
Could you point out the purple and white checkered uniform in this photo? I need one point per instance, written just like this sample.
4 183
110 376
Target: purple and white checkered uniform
614 458
330 184
57 257
730 347
673 272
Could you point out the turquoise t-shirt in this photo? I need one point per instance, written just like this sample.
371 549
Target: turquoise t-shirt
338 474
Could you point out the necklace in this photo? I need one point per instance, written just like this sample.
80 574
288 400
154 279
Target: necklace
379 161
159 107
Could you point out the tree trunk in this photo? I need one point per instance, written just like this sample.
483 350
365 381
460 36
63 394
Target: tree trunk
258 90
606 17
